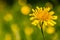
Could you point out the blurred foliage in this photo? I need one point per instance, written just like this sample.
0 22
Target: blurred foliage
16 25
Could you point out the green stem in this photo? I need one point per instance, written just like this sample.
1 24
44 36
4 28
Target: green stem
42 31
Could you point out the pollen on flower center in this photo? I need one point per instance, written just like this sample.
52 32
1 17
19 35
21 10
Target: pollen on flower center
43 15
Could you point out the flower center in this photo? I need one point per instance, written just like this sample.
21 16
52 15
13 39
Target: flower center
43 15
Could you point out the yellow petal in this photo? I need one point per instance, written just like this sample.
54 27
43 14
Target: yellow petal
45 23
37 7
32 18
51 13
47 9
53 22
40 8
33 10
35 22
54 17
44 27
50 23
30 14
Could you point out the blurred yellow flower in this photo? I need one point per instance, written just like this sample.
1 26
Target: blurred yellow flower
22 2
50 30
8 17
48 4
8 37
44 15
55 37
17 36
25 9
28 31
14 28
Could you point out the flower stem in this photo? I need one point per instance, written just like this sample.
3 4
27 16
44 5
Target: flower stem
42 31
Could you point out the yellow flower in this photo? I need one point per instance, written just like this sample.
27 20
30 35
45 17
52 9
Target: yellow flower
50 30
8 37
14 28
8 17
28 31
44 15
25 10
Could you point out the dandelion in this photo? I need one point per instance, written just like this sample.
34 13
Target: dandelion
43 16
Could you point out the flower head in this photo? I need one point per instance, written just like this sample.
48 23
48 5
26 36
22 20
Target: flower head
44 15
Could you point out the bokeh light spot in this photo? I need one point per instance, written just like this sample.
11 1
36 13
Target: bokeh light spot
28 31
8 17
22 2
14 28
48 4
50 30
8 37
25 10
